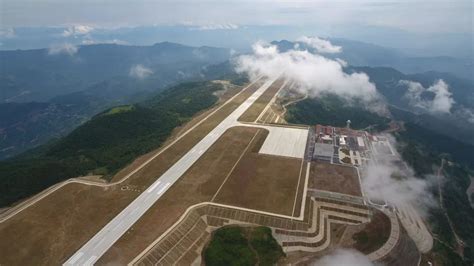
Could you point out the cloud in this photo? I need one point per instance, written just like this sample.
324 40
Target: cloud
224 26
63 48
441 102
321 45
90 41
391 180
140 72
466 114
314 74
344 257
7 33
77 30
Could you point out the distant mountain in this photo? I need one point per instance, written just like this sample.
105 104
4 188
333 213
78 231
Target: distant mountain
365 54
39 75
452 125
387 81
44 96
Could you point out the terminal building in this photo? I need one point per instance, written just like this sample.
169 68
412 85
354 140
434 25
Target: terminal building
323 151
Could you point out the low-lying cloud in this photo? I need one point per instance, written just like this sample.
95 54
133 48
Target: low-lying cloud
391 180
90 41
63 48
139 71
314 74
344 257
441 102
466 114
224 26
7 33
321 45
77 30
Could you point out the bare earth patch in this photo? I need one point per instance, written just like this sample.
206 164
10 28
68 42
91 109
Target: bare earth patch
334 178
262 182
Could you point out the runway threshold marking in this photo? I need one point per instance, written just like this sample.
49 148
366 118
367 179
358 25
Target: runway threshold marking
153 187
163 188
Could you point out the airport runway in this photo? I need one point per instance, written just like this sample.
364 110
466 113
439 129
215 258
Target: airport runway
107 236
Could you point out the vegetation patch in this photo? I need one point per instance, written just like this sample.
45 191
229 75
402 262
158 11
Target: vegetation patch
235 245
374 235
345 151
421 150
335 111
119 109
346 160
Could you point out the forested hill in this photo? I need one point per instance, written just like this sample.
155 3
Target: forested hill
106 143
335 111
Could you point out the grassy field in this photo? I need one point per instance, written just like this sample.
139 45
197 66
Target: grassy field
334 178
257 107
119 109
234 245
264 182
81 210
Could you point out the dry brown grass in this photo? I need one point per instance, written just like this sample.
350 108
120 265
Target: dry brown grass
299 194
198 184
55 227
262 182
334 178
257 107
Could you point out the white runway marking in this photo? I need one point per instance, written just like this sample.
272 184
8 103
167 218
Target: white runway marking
153 187
163 188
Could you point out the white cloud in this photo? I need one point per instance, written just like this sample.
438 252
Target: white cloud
342 62
321 45
441 102
77 30
344 257
391 180
63 48
140 72
7 33
313 73
466 114
90 41
224 26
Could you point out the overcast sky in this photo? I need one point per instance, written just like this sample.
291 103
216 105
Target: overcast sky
427 16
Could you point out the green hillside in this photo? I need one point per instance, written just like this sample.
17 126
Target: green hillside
333 110
106 143
235 245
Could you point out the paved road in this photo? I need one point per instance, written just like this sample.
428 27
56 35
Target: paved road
105 238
